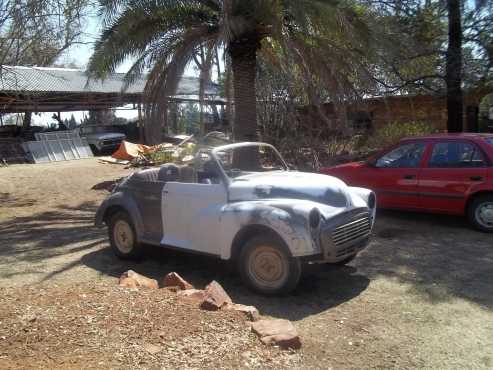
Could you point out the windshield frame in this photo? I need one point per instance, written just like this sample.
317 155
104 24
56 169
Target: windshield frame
218 149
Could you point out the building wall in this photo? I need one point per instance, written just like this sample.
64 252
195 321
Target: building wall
376 112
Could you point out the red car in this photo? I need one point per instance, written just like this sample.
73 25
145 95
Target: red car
442 173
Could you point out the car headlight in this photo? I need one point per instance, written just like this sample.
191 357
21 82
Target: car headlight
314 218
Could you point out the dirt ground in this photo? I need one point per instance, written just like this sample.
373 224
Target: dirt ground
421 296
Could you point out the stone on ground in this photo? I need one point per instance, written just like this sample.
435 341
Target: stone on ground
215 297
277 332
250 312
131 279
195 296
174 280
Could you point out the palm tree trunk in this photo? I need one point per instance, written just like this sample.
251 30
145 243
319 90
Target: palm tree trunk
244 65
453 76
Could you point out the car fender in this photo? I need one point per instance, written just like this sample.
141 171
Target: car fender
360 197
121 200
289 223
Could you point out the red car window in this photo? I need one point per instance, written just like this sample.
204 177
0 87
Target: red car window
404 156
456 154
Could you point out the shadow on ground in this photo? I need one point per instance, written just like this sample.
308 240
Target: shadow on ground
8 200
319 289
441 256
27 243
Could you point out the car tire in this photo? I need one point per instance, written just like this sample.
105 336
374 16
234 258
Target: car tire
123 238
346 260
480 213
267 267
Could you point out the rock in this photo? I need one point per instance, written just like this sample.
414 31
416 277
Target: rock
277 332
131 279
250 312
173 279
193 295
215 297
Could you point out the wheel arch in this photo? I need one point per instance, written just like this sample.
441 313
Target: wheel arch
118 202
476 195
113 209
248 232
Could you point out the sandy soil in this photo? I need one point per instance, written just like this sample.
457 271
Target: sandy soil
421 296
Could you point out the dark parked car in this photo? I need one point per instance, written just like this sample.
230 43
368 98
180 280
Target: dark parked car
101 139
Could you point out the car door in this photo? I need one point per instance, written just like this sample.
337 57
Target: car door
452 171
191 215
394 175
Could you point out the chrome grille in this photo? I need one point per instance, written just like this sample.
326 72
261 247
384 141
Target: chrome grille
351 231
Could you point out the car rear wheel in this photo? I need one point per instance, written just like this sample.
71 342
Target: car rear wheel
123 238
267 267
480 213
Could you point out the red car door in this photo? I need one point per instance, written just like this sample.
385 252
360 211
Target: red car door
396 175
452 171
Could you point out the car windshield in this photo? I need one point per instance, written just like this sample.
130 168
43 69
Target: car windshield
245 160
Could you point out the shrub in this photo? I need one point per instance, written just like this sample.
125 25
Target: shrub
393 132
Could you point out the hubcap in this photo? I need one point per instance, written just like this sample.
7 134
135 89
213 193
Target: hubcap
123 236
484 214
267 267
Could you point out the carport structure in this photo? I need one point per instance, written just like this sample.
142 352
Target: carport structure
40 89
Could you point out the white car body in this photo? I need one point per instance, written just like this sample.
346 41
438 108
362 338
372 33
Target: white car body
317 217
208 217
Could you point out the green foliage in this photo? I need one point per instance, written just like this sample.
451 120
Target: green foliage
320 41
37 32
393 132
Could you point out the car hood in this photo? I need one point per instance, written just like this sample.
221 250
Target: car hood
313 187
105 136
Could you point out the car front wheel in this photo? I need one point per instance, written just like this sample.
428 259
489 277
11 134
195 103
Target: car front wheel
122 235
267 267
480 213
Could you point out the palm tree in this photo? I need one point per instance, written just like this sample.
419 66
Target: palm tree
313 37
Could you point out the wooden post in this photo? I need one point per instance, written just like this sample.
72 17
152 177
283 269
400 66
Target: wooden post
141 124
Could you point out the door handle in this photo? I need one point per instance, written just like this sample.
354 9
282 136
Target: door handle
476 178
409 177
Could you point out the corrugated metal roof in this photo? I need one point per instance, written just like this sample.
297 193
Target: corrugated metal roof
60 80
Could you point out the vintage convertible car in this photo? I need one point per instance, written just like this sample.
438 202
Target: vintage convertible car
241 202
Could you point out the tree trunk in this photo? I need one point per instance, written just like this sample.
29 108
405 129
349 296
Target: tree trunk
454 68
244 64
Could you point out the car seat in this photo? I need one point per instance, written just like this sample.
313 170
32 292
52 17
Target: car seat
169 173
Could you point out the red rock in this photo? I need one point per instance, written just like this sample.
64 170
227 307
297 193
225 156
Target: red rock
131 279
250 312
193 295
277 332
173 279
215 297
